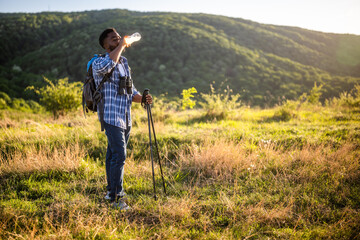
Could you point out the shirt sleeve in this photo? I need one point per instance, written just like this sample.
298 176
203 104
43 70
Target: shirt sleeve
103 65
135 91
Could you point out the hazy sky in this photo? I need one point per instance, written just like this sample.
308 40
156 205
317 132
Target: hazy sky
338 16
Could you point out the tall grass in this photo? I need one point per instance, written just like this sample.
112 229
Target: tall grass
42 158
242 177
223 160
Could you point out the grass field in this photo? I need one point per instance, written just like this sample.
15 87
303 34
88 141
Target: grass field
255 174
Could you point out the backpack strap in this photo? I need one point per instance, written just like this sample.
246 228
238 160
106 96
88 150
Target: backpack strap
100 101
105 78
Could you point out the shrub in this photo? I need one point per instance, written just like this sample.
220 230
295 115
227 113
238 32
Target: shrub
313 98
186 101
60 98
5 100
347 99
34 106
315 94
3 104
218 105
20 104
283 114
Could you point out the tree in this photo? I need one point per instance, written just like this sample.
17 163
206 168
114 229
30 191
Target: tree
60 98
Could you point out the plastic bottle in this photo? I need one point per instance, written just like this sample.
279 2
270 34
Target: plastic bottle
132 38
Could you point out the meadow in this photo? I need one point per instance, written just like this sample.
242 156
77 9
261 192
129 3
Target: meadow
288 172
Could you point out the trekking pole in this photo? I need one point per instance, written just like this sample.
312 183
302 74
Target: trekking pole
146 92
150 119
157 148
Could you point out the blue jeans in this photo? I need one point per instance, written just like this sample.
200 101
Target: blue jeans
115 158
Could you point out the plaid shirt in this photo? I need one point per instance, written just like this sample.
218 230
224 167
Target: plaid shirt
117 107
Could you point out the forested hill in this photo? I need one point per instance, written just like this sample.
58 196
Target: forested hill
262 62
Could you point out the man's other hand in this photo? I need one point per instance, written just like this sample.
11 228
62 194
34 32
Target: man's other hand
149 99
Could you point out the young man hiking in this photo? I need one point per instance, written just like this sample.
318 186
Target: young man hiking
115 115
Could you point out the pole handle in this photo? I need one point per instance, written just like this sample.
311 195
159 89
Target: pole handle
143 99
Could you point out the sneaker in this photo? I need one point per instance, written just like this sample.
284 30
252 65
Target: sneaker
121 205
107 197
121 195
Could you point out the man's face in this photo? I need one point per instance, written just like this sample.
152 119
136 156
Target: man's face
112 41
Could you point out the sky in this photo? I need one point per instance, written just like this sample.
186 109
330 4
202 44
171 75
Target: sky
336 16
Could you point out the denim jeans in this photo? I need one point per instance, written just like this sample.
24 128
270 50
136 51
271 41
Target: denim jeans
115 158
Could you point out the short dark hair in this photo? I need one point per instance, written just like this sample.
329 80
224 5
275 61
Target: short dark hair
104 34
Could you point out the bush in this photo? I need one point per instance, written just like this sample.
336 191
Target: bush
347 99
60 98
34 106
315 94
313 98
20 104
218 105
5 100
283 114
3 104
187 102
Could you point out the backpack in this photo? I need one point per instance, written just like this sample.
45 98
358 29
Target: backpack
91 95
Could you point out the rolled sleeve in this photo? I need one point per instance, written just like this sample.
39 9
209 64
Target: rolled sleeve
135 91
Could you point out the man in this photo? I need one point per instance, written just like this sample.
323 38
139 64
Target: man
116 111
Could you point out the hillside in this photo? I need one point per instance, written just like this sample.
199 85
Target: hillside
264 63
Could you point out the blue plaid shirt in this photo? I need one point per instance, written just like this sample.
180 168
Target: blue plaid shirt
116 106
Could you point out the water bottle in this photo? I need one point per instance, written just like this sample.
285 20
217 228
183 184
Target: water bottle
132 38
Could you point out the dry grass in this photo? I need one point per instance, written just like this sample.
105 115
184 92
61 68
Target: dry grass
341 164
42 159
223 160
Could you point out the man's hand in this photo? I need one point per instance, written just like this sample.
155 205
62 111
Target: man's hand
149 99
115 46
138 98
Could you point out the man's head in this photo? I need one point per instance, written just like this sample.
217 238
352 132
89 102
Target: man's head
109 39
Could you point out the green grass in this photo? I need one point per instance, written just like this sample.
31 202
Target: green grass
253 175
